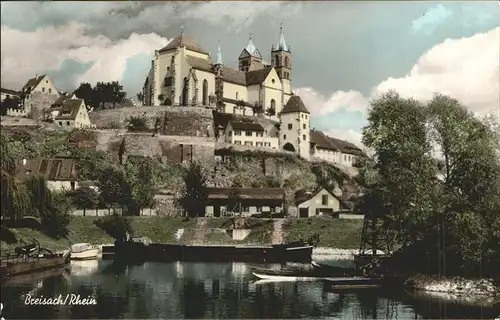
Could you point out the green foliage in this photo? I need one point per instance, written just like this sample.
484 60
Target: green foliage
137 124
113 186
101 94
195 194
115 225
15 198
447 195
84 198
139 174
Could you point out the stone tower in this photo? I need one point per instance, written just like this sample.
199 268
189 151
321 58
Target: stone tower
282 62
250 58
295 128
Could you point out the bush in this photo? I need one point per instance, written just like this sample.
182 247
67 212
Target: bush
114 225
55 222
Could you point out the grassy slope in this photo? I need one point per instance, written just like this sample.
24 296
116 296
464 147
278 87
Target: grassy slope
345 234
333 233
260 234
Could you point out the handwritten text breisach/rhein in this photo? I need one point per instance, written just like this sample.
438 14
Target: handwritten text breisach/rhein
68 299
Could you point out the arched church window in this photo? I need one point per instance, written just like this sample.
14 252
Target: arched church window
236 95
205 92
277 61
286 62
273 104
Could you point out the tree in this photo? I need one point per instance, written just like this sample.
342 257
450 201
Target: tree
117 93
194 196
396 131
113 187
270 112
140 97
84 198
139 172
87 93
441 202
9 103
15 199
258 108
470 169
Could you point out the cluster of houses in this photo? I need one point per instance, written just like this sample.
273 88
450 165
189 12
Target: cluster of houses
39 99
60 174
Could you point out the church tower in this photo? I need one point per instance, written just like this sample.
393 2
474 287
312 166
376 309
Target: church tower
250 58
218 68
282 61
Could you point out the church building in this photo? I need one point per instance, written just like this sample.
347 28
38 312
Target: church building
182 73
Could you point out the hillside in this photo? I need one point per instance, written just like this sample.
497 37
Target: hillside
185 133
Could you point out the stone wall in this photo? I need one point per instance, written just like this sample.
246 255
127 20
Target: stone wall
170 121
175 148
38 102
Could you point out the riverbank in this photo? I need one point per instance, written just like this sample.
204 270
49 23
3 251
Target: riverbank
474 292
334 233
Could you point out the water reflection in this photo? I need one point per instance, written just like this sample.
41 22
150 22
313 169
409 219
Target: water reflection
210 290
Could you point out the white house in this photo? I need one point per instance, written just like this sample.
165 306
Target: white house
326 148
71 114
249 134
317 203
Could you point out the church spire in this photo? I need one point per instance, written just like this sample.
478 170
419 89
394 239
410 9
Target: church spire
251 48
281 45
218 56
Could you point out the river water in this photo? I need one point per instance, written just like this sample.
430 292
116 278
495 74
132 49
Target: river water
209 290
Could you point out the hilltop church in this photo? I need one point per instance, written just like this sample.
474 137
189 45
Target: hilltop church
184 74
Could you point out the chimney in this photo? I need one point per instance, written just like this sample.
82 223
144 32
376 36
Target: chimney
24 162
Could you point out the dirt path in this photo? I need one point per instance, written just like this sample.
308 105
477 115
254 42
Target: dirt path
277 237
199 231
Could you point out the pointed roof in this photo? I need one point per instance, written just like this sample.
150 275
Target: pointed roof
251 49
183 41
218 56
281 45
294 105
33 82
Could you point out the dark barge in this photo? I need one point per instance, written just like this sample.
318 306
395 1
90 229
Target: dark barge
31 258
137 250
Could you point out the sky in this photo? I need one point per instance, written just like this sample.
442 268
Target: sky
343 53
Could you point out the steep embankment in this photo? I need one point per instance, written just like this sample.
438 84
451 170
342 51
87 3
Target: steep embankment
333 233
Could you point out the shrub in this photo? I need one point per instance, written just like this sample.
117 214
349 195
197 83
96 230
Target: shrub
55 222
114 225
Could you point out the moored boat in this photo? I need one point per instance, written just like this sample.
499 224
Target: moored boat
334 271
84 251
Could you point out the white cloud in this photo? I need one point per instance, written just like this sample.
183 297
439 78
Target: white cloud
25 54
467 69
430 21
320 105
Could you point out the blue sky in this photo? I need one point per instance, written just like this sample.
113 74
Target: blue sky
343 52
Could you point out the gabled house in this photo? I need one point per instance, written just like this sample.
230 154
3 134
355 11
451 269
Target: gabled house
59 173
318 202
36 96
71 114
